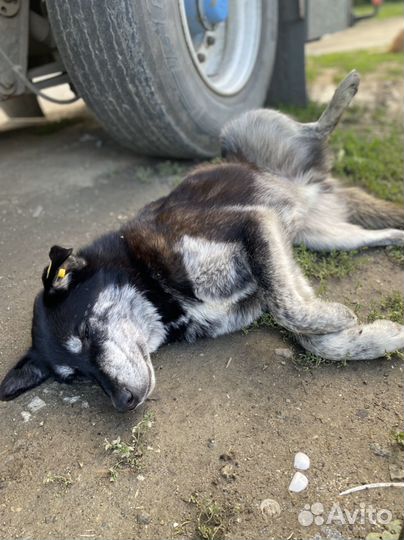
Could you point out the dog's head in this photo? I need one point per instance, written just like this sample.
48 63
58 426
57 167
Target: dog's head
87 323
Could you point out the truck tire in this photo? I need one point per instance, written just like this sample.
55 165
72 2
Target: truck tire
132 63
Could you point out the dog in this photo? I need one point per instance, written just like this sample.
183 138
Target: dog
209 259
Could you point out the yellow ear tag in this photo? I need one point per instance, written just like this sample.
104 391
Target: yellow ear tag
61 273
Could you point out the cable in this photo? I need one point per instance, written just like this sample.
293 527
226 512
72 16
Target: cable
18 71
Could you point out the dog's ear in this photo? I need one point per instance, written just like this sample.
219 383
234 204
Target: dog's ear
58 275
26 374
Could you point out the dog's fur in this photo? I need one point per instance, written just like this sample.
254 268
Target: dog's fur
209 259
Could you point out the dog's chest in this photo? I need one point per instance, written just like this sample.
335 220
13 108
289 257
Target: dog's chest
221 280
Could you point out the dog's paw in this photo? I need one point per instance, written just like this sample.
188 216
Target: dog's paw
334 317
344 317
391 334
350 84
397 238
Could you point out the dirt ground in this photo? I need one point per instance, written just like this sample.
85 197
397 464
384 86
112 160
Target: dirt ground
228 414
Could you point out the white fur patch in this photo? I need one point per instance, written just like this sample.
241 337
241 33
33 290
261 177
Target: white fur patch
74 345
221 278
217 270
128 303
131 329
64 371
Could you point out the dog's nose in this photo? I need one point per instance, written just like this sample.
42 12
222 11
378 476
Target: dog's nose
125 400
131 400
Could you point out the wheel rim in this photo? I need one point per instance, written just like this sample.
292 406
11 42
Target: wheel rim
225 52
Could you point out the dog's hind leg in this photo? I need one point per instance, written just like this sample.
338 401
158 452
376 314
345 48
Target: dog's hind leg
286 292
360 342
346 236
369 212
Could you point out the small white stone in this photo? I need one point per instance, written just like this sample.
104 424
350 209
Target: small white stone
85 404
36 404
26 416
302 461
284 353
299 483
71 399
37 212
140 477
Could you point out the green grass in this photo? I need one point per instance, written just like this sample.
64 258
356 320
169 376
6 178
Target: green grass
129 454
323 266
170 170
398 438
367 61
307 361
371 159
387 11
390 307
310 113
366 149
396 254
265 321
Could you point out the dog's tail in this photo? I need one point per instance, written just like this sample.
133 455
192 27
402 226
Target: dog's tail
369 212
271 141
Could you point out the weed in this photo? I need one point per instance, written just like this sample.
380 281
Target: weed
265 321
144 175
307 361
398 438
171 168
129 455
210 524
322 266
390 307
394 354
396 254
217 160
62 480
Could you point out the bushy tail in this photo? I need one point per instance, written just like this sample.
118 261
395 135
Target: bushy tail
372 213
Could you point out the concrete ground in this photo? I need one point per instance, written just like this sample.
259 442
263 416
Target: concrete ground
229 414
367 34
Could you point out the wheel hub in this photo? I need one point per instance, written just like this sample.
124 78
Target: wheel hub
223 39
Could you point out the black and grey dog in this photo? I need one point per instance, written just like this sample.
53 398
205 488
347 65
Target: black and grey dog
209 259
